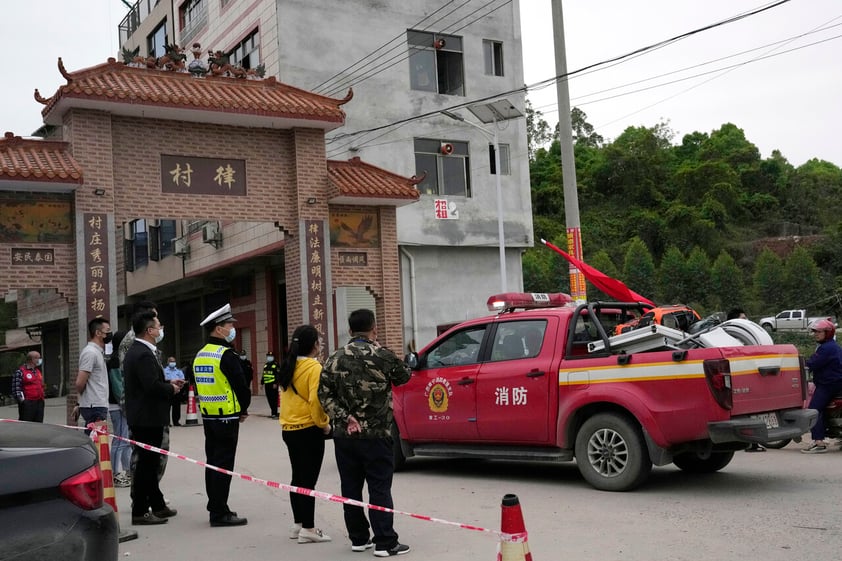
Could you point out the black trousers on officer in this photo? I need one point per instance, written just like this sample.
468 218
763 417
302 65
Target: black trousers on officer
370 461
220 448
272 397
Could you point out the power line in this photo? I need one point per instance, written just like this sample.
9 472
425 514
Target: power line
548 81
402 56
397 37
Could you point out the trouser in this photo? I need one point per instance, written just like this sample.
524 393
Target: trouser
146 492
93 415
176 409
822 396
121 451
306 449
31 410
220 448
272 397
370 461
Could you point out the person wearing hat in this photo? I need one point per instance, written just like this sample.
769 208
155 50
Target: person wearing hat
269 381
224 399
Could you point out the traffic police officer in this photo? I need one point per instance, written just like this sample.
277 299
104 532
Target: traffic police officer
270 382
224 399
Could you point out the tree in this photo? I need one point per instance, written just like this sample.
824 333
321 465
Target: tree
583 131
697 269
672 276
802 285
767 281
639 268
538 131
727 284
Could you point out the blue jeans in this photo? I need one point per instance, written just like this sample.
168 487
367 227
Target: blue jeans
121 451
93 414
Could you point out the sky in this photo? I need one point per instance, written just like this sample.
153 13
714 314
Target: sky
787 101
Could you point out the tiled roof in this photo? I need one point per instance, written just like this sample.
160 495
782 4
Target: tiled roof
355 179
116 84
37 160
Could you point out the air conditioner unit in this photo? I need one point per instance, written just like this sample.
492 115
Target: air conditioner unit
212 234
181 247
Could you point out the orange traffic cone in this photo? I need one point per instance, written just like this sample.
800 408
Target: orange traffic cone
192 413
108 480
517 547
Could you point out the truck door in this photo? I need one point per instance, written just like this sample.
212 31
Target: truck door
439 402
514 386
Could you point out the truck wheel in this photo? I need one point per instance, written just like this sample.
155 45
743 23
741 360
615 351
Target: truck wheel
397 448
777 444
693 463
611 454
768 327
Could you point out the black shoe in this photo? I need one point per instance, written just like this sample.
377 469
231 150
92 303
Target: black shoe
755 448
165 512
148 519
176 424
397 549
229 519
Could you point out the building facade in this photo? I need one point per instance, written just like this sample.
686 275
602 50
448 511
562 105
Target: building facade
406 62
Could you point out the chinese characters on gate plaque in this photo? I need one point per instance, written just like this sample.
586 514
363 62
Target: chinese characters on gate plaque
28 256
203 176
314 242
97 295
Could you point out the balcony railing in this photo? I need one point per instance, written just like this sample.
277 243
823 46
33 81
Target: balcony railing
134 18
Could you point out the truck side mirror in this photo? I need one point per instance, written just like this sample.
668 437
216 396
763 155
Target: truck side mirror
411 360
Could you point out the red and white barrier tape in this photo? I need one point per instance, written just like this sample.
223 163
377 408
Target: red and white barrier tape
516 538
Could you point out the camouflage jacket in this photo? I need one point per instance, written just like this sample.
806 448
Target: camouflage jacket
357 380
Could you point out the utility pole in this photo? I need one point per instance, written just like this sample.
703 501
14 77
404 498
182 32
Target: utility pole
568 163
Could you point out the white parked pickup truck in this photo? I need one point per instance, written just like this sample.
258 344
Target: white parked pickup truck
788 320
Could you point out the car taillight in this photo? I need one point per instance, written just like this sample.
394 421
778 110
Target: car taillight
84 489
718 376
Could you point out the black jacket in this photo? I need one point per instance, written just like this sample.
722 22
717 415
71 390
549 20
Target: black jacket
148 396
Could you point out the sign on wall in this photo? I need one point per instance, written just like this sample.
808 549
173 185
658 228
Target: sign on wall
203 176
353 258
315 276
446 210
97 293
29 256
354 229
36 221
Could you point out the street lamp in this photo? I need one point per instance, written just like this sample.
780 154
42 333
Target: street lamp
491 113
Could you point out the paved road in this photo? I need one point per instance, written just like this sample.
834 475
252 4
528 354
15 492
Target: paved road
773 506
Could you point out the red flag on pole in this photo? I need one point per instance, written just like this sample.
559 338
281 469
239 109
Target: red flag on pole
610 286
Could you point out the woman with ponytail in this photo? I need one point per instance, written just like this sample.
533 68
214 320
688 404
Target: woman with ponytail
305 426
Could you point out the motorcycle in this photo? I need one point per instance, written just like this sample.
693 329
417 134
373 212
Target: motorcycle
832 420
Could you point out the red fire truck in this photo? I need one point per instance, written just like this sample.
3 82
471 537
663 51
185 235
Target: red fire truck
547 379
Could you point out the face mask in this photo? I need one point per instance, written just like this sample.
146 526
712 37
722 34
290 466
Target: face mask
171 364
231 335
107 339
242 357
270 359
160 335
39 362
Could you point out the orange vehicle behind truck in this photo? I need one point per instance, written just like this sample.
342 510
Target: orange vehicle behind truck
547 379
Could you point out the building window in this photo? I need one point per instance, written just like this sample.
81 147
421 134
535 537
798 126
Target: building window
246 53
167 234
156 40
504 160
193 14
435 63
137 248
493 54
446 164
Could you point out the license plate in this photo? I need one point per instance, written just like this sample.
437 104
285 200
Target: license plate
771 419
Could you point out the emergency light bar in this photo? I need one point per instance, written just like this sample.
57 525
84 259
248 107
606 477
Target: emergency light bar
527 300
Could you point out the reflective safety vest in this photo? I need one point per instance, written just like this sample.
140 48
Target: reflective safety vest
270 373
216 398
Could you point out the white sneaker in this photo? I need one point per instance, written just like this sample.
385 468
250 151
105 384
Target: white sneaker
314 535
363 547
294 531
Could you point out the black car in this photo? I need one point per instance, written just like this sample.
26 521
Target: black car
51 496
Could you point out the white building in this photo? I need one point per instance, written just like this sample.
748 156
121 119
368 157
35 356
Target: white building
404 60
